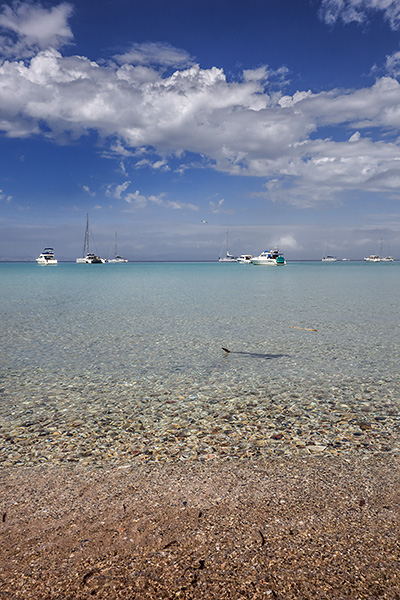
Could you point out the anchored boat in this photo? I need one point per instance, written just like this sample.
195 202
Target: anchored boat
269 257
244 259
227 257
117 258
372 258
47 257
329 258
88 257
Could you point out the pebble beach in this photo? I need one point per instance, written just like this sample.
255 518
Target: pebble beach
287 528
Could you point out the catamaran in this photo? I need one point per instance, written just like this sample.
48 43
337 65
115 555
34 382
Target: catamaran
88 257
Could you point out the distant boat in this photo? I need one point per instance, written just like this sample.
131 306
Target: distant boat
227 257
372 258
380 258
269 257
47 257
88 257
329 258
387 258
244 259
117 258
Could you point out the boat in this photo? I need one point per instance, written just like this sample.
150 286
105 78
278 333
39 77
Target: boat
88 257
227 257
47 257
380 258
387 258
329 258
244 259
372 258
269 257
117 258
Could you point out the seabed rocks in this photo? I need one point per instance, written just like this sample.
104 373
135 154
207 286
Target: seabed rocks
97 422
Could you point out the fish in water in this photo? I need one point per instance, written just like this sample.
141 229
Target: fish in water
253 354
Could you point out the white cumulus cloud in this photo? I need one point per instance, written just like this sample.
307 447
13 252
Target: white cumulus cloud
26 27
360 11
155 54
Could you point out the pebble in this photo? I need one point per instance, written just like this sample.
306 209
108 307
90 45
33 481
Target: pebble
160 423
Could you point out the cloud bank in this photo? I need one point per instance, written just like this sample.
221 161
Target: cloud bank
152 117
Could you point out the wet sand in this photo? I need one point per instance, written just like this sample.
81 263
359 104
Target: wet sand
317 527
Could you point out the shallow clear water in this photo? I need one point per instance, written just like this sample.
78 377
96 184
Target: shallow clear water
140 346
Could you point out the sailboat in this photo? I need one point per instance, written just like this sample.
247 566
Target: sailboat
328 257
88 257
387 258
228 257
117 258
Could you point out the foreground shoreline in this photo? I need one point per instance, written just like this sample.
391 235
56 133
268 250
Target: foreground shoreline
286 528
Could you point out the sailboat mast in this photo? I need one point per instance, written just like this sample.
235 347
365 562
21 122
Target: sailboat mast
86 242
115 253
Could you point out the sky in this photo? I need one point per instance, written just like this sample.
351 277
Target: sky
182 124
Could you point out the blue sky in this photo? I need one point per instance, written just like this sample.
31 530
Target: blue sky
275 120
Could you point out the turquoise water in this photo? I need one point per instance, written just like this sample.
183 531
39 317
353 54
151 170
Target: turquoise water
140 346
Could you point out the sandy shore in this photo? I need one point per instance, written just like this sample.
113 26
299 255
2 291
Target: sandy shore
287 528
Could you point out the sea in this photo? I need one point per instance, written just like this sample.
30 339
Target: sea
107 365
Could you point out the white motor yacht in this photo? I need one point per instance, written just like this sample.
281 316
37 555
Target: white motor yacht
244 259
47 257
269 257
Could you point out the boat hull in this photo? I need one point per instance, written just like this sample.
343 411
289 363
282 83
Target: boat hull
90 260
267 261
50 262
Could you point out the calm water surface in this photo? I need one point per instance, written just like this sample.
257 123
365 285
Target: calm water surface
110 361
